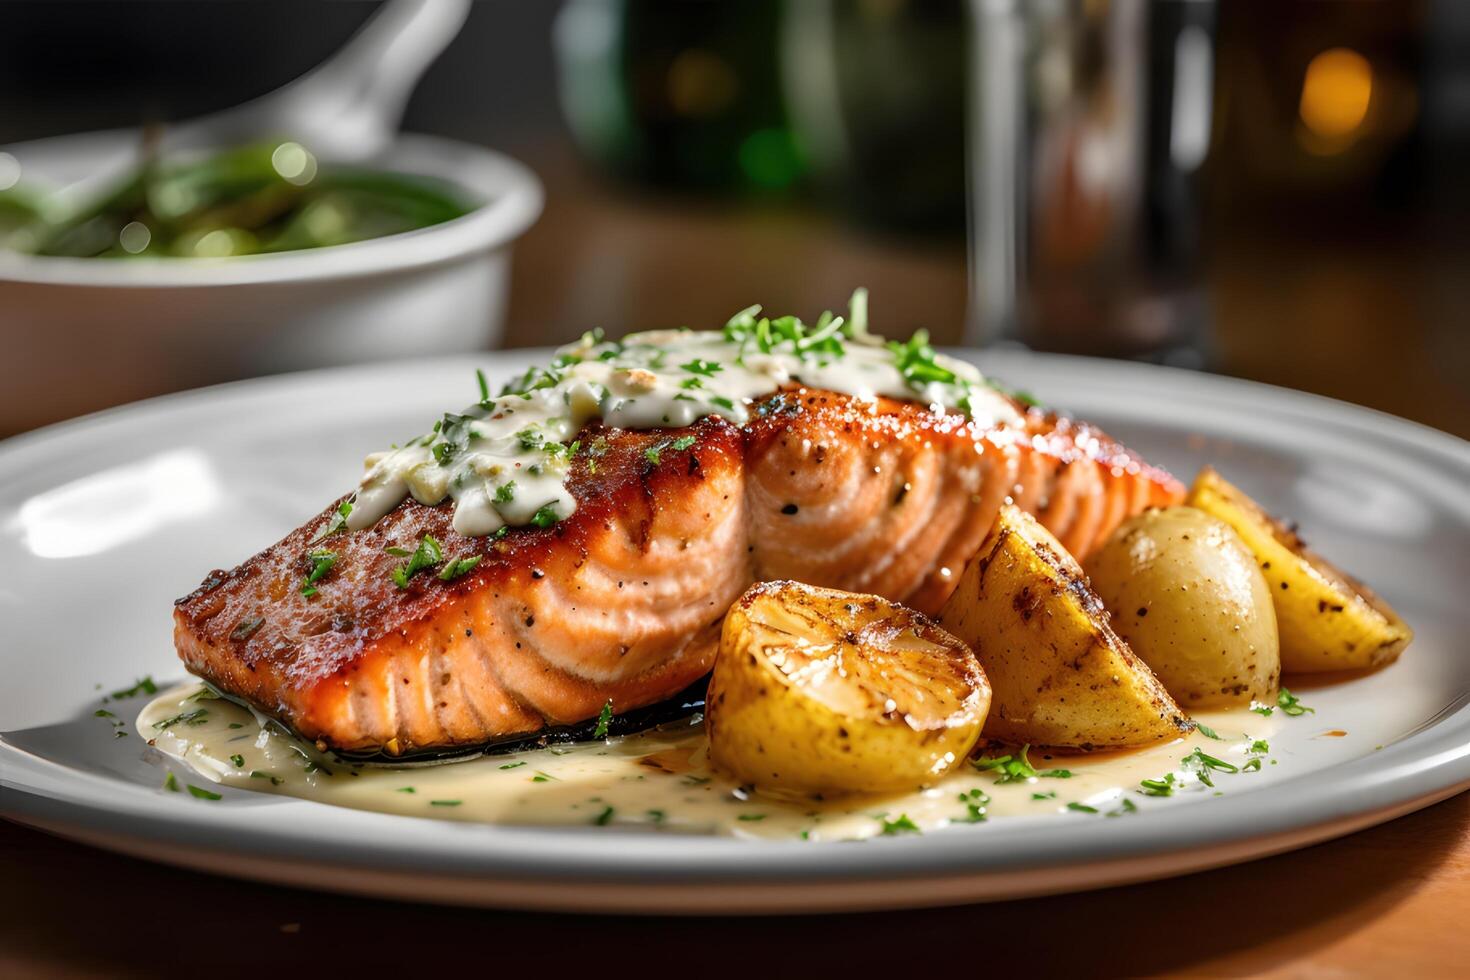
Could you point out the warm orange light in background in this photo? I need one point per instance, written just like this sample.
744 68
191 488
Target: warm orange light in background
1335 94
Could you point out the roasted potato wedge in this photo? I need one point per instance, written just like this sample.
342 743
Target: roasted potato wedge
1326 619
816 691
1059 675
1186 595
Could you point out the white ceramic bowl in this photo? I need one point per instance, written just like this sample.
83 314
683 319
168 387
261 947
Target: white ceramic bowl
83 333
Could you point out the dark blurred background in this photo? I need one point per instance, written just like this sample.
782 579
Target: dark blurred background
691 167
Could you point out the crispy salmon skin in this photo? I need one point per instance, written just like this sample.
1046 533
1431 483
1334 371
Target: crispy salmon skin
622 601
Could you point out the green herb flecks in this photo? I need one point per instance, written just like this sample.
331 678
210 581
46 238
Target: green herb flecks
901 825
200 793
1200 763
144 686
198 716
425 556
454 568
1163 786
338 521
171 783
257 774
1207 732
545 516
603 720
1017 768
238 761
445 802
605 817
975 801
321 563
1292 705
514 765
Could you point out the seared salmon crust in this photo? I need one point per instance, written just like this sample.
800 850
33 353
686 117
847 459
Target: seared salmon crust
623 601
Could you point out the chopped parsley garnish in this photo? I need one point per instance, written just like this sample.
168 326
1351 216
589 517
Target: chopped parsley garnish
200 793
484 386
454 568
1050 794
506 492
1252 765
338 521
702 367
1017 768
1261 747
751 817
514 765
689 384
170 783
975 801
195 717
235 724
545 516
1081 808
1292 705
542 777
1127 806
257 774
902 825
684 442
445 802
1159 787
321 563
1207 732
530 439
238 761
405 789
425 556
144 686
603 719
103 713
1201 763
653 453
605 817
1263 709
722 402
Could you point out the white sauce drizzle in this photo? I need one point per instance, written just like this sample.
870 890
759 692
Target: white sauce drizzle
504 460
661 780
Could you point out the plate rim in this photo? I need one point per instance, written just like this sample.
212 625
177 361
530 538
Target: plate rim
1431 763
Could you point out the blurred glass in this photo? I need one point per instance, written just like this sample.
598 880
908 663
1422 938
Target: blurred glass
1089 120
876 89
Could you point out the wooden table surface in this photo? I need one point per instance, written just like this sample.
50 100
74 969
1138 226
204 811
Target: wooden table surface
1379 324
1387 902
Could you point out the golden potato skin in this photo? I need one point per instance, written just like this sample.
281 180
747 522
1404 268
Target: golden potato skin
1326 619
820 692
1059 675
1186 595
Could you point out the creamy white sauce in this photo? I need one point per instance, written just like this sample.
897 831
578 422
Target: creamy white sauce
505 459
661 779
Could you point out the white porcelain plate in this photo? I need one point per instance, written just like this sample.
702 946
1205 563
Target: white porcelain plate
104 521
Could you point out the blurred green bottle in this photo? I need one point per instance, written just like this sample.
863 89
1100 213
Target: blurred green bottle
678 93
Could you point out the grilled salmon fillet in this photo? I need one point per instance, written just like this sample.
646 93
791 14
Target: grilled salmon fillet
623 600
